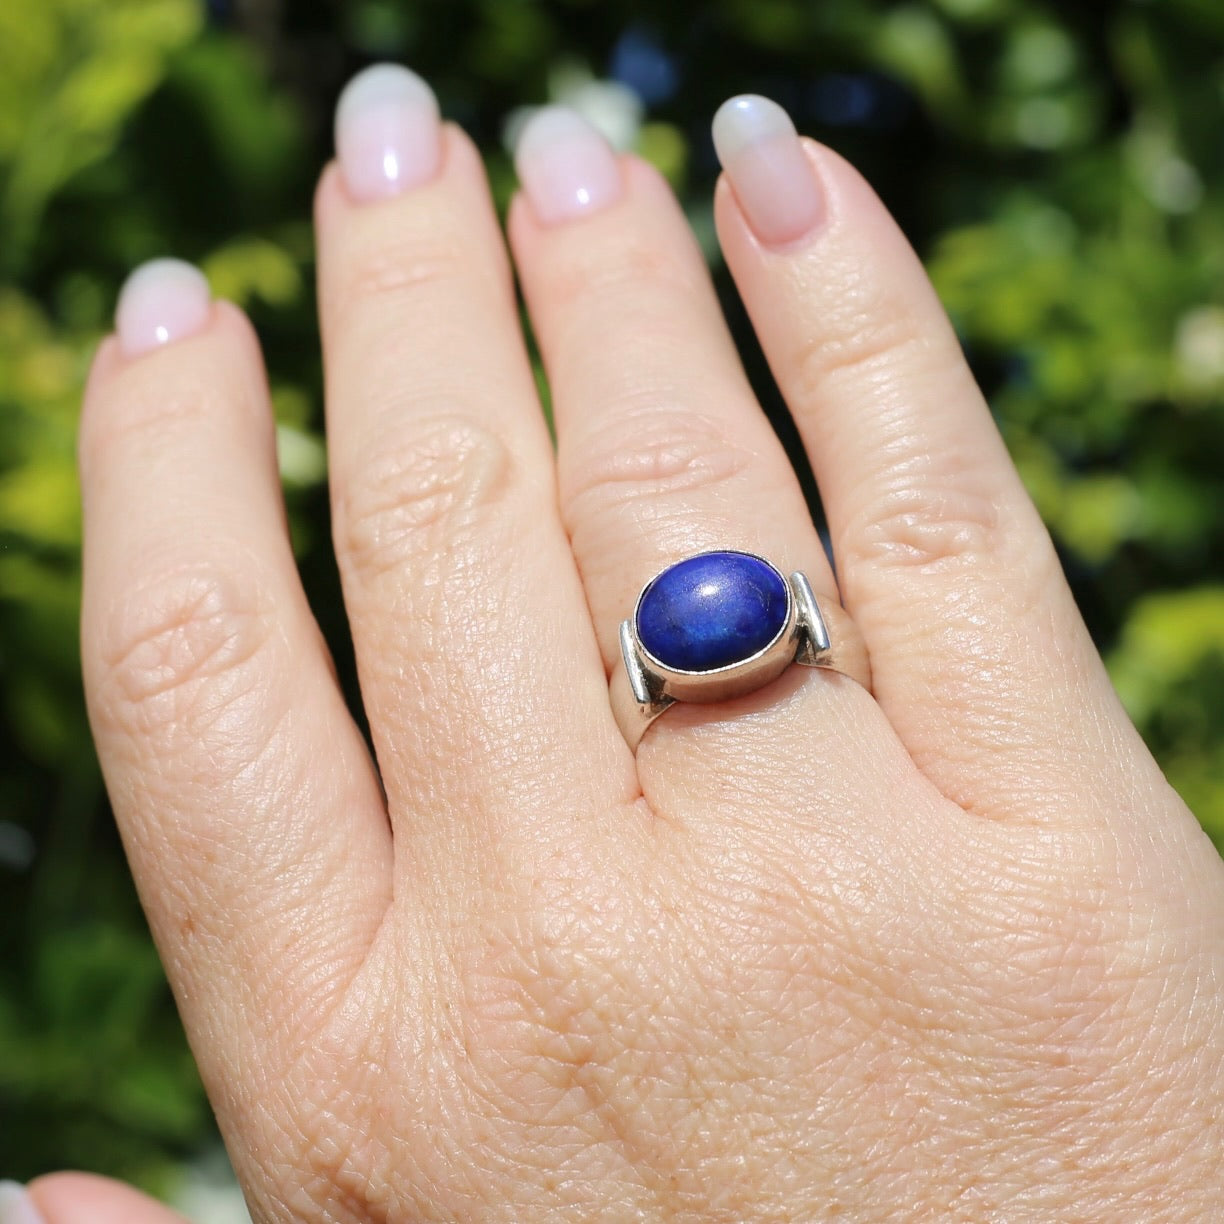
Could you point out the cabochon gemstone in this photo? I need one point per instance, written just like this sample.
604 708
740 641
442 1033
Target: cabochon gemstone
711 611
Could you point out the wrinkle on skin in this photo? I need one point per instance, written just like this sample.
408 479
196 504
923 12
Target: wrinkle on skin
436 486
776 965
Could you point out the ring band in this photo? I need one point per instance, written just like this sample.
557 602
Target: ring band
720 624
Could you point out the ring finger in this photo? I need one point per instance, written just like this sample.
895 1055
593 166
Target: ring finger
663 450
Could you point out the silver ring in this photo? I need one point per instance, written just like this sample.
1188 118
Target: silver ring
720 624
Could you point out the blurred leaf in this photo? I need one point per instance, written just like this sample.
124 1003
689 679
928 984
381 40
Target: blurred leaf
664 146
40 501
913 42
1098 513
1169 670
249 268
70 74
303 461
252 130
1167 640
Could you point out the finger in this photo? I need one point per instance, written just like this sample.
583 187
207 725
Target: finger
478 667
247 802
663 451
82 1198
979 655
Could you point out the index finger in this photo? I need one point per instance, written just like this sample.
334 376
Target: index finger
248 805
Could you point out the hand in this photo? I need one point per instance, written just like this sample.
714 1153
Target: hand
949 951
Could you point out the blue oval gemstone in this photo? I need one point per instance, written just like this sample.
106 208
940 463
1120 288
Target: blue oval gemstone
712 610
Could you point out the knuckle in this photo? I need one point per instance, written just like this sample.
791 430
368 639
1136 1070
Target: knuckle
645 454
929 528
403 266
422 498
540 993
400 269
932 509
147 411
598 274
178 654
870 339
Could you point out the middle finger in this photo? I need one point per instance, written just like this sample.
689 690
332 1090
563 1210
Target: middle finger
478 669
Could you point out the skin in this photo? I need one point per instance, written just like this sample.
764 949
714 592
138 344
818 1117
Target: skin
951 951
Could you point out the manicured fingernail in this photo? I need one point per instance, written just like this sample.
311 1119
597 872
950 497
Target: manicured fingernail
162 301
16 1206
388 133
567 168
769 171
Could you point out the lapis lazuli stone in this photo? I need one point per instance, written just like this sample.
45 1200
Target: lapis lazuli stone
712 610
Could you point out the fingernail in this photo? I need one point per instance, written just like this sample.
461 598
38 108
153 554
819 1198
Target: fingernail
388 132
162 301
772 178
567 168
16 1206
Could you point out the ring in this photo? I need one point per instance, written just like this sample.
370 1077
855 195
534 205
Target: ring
720 624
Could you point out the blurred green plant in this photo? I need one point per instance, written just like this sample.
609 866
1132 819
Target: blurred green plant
1059 167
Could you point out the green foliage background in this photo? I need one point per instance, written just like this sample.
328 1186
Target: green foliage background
1058 165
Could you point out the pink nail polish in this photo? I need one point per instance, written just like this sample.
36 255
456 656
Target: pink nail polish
567 169
161 301
388 132
16 1206
769 171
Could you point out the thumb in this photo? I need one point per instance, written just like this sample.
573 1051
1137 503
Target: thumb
80 1198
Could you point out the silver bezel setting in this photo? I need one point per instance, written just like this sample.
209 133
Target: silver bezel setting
802 638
